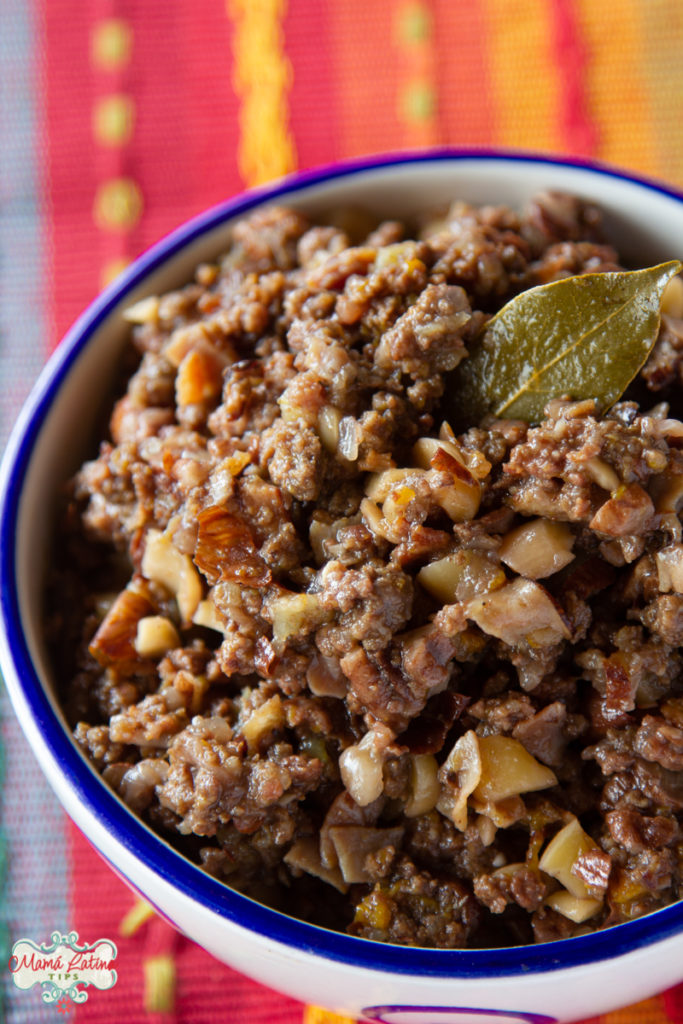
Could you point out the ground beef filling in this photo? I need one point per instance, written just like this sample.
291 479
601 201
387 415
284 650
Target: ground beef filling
422 687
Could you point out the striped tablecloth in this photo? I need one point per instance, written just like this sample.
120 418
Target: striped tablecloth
121 118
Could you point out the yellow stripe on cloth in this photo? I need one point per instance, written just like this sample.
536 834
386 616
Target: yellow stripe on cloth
316 1015
616 86
262 79
160 981
524 79
140 912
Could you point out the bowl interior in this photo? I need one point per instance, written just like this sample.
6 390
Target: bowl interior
645 223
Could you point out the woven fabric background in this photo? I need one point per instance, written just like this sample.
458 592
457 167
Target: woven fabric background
121 118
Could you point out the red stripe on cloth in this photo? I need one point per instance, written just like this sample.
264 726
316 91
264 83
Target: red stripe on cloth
673 1004
314 113
206 990
181 155
183 150
466 106
99 902
70 174
579 131
365 70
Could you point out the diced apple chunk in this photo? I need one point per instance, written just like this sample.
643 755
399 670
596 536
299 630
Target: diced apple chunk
520 612
155 635
267 718
562 852
294 615
538 549
670 568
508 769
461 576
144 311
208 616
577 909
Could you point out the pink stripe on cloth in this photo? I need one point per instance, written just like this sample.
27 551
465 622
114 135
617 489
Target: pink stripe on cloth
206 991
579 131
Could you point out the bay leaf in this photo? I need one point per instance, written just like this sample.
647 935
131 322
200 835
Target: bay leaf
583 337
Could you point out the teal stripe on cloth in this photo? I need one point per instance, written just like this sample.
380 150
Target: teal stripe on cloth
35 881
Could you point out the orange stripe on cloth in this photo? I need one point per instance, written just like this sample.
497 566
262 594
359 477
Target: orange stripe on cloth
662 41
262 78
313 113
616 83
417 98
463 77
525 83
366 74
650 1011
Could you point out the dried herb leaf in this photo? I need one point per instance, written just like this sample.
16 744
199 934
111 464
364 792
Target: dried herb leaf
584 337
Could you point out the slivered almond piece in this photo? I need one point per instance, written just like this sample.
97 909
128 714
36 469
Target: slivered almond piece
325 678
267 718
209 616
460 499
353 844
318 532
459 776
602 473
672 297
380 485
362 766
425 448
304 855
163 563
329 419
424 785
573 907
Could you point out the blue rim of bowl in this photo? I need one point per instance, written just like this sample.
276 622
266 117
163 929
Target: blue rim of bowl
93 794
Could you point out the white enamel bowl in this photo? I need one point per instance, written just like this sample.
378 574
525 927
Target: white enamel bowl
394 985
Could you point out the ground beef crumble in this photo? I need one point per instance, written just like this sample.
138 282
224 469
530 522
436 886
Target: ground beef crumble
421 687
